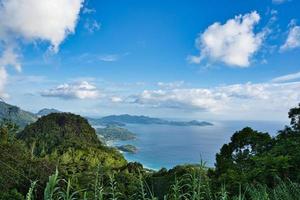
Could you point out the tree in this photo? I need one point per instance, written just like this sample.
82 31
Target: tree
287 143
235 161
8 131
294 115
255 157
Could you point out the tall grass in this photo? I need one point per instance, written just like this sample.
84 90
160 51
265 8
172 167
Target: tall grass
223 193
144 192
193 186
98 186
51 187
30 194
67 193
113 193
177 190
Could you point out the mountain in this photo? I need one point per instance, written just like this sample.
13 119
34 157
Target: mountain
132 119
16 115
58 129
115 133
47 111
101 122
23 118
190 123
69 142
72 140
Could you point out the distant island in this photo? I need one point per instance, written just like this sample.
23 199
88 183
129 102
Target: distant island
114 133
23 118
47 111
122 120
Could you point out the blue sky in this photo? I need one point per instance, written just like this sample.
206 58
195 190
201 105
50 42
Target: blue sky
216 59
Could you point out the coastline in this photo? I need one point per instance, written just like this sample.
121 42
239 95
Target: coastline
112 143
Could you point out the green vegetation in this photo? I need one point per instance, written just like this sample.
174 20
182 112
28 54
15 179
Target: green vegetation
59 139
65 148
58 130
193 185
114 133
255 157
16 115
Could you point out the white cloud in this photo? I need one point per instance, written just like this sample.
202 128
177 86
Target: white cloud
109 57
116 99
197 98
232 101
79 90
95 58
3 79
10 58
23 21
49 20
88 10
233 43
293 39
91 25
288 77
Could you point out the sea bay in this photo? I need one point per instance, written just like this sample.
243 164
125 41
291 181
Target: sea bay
166 146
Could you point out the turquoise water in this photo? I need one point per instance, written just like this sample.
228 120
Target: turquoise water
167 146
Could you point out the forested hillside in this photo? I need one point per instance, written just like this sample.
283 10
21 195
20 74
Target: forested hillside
65 148
16 115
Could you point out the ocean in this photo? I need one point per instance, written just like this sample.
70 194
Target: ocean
167 146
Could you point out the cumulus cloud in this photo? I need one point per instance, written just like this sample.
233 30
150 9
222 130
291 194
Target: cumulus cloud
293 39
230 100
79 90
233 43
34 21
49 20
201 99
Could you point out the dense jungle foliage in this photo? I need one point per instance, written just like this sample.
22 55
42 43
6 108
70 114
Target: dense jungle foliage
60 157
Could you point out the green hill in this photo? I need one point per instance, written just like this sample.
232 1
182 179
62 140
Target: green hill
59 129
115 133
69 138
16 115
64 140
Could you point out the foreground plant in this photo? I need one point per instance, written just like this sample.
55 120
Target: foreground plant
67 194
51 187
30 194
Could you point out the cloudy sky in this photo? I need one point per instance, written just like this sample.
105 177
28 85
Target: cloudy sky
210 59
